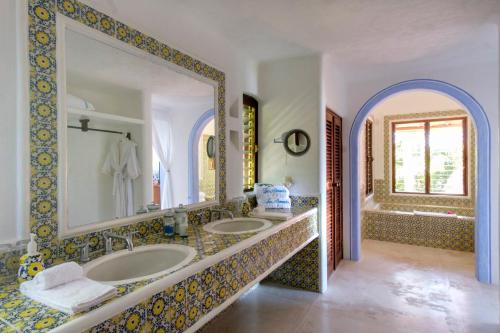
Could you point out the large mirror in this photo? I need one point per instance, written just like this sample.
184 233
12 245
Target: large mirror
137 134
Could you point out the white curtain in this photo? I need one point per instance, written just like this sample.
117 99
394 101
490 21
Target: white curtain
163 146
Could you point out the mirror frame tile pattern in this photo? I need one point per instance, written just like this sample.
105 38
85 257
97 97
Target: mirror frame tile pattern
43 100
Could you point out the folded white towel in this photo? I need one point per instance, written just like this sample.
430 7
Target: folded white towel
57 275
72 297
271 215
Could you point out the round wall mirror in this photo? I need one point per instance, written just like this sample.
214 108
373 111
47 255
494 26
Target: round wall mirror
211 147
297 142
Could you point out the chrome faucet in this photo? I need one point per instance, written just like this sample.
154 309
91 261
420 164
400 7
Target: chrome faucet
221 212
84 252
108 238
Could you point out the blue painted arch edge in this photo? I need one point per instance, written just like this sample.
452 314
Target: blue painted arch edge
483 190
194 137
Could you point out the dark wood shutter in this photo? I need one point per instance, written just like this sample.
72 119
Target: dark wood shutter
334 190
337 188
369 156
329 191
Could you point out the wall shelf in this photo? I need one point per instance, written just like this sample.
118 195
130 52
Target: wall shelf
104 116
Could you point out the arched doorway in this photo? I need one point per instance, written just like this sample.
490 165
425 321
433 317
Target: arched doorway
483 193
193 155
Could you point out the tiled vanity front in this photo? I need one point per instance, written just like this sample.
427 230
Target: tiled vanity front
225 267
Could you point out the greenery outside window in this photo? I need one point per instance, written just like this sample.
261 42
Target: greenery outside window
430 156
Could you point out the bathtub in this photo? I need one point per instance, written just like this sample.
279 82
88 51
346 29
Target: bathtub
437 227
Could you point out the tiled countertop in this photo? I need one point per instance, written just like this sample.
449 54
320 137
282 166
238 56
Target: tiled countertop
30 316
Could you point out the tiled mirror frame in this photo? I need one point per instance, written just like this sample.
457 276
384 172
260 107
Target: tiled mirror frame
43 100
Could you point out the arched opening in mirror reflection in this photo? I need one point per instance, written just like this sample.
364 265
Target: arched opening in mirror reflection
201 154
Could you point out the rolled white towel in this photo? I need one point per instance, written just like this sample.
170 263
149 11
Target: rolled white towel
57 275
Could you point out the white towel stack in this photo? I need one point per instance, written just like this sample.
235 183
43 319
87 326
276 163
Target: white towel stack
65 288
272 196
281 216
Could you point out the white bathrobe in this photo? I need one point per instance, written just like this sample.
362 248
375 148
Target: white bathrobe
121 162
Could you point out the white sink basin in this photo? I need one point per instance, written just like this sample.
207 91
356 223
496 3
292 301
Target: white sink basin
144 262
237 226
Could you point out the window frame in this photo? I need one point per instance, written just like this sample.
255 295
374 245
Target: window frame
254 103
465 146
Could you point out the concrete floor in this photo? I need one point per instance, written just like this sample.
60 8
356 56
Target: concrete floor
395 288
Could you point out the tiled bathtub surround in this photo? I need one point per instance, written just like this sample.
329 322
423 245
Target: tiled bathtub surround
179 306
393 220
433 231
462 211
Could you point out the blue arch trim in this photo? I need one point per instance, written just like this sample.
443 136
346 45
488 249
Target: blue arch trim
483 190
194 137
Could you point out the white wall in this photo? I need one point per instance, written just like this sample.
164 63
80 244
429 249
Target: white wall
9 129
289 92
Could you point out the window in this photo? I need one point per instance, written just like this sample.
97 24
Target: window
250 148
430 156
369 156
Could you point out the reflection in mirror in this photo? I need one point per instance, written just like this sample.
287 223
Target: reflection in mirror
211 146
206 167
202 161
129 120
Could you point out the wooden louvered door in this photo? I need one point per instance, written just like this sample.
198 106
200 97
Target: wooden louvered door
329 191
334 188
338 189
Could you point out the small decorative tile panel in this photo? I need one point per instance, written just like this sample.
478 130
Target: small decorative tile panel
432 231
